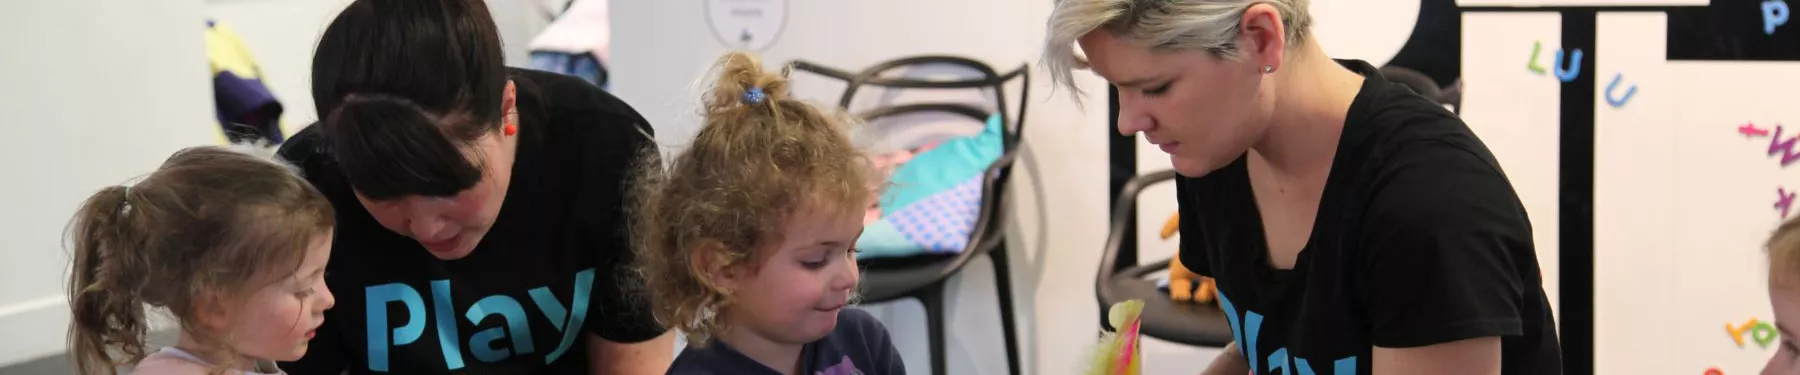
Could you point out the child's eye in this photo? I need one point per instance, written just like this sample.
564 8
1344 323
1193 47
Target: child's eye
308 292
813 265
1788 346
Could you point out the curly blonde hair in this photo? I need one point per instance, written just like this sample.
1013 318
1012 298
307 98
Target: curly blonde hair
759 158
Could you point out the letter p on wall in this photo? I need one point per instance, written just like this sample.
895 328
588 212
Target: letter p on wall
1774 14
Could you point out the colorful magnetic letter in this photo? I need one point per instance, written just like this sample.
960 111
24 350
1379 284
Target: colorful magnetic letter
1784 200
1536 46
1775 13
1567 72
1613 88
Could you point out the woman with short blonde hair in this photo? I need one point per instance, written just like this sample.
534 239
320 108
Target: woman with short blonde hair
1353 226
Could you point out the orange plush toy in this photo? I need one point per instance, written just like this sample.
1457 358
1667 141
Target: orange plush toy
1181 280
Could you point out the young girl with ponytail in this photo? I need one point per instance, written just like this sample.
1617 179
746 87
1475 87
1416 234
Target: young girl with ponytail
233 246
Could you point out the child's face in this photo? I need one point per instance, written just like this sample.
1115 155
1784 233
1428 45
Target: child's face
280 318
1786 301
795 294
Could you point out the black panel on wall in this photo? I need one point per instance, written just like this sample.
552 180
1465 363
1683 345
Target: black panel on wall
1575 248
1733 30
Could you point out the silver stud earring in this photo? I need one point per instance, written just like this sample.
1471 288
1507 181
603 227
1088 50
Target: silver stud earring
1268 69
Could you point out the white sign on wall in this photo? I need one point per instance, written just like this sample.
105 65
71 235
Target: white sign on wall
746 24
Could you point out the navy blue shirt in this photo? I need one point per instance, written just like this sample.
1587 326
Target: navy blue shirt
858 346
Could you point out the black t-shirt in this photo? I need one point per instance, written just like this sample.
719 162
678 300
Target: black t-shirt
552 269
858 346
1419 240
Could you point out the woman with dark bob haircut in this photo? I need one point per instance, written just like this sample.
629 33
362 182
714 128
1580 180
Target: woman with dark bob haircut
481 226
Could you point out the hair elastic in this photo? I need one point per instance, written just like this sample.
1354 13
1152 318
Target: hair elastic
125 202
754 95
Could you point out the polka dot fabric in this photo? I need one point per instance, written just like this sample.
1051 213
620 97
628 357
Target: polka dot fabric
941 222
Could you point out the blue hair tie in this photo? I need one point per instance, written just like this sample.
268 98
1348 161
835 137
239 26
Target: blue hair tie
754 95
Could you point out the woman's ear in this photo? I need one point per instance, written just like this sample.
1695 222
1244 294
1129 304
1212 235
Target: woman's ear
1263 37
510 99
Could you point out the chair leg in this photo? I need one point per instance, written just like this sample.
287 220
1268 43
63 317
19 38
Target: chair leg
1003 285
933 299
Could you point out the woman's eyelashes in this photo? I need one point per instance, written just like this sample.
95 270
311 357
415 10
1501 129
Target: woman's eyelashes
1158 90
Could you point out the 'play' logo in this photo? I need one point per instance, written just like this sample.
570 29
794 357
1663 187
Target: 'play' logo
486 345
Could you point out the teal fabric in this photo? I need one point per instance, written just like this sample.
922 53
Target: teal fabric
937 180
881 240
941 168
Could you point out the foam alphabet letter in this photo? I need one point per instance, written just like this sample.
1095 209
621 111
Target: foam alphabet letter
1784 200
1737 334
1763 333
1774 14
1613 88
1568 70
1536 47
377 299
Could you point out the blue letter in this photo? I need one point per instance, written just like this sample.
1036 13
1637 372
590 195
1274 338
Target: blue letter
376 299
1252 324
1279 360
1343 366
446 324
576 313
482 343
1568 70
1770 18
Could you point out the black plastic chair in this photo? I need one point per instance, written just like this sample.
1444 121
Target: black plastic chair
1188 323
923 277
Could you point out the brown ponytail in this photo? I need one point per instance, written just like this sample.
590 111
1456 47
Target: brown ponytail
206 227
103 287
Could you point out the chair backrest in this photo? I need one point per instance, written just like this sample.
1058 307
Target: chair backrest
1012 126
1117 230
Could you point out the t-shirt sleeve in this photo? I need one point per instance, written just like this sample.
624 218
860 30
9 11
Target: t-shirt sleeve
614 153
325 354
1441 244
1191 250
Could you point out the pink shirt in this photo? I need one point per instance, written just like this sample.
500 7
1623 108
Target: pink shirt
174 361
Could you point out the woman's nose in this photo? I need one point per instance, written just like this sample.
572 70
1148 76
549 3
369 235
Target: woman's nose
425 227
1133 122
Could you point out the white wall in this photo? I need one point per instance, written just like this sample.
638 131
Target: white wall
1516 112
1683 202
97 91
